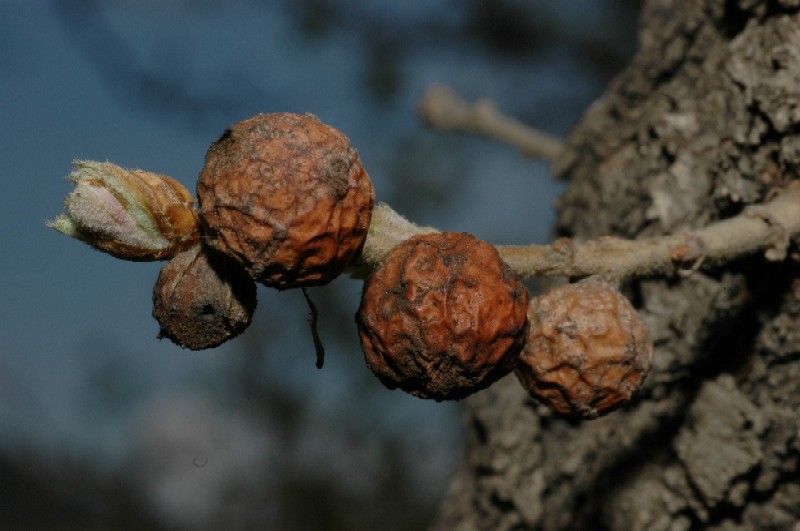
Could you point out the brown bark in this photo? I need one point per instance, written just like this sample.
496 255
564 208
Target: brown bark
705 121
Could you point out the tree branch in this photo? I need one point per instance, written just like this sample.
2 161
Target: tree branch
767 226
441 108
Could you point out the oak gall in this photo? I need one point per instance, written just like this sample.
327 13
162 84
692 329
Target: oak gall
588 349
442 317
201 299
285 195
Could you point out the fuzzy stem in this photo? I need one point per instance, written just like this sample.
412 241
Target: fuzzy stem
767 226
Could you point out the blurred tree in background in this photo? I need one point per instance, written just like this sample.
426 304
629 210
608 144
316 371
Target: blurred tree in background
697 127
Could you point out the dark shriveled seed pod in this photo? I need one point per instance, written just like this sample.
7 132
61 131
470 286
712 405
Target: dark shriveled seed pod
201 299
442 317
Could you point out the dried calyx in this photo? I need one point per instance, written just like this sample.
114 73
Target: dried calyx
285 195
588 349
201 299
442 317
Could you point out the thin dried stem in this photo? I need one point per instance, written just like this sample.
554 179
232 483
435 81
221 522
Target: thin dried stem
313 319
768 226
441 108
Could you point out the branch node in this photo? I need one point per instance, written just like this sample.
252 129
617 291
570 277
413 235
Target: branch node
564 246
779 250
689 255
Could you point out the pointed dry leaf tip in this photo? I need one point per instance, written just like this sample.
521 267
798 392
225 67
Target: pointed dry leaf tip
130 214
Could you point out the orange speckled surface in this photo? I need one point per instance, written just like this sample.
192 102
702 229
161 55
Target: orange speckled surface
442 317
286 196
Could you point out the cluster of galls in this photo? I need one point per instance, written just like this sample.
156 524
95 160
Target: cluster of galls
444 316
284 201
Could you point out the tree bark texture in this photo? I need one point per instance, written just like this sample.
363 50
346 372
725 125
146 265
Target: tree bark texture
704 121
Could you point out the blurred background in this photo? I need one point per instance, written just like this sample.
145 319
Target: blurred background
101 424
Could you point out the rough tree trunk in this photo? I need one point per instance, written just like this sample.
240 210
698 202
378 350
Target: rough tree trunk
704 121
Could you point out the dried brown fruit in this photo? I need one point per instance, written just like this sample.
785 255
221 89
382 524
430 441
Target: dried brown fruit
202 298
286 196
588 349
442 317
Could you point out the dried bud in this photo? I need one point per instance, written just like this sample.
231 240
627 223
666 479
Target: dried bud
286 196
202 298
130 214
588 349
442 317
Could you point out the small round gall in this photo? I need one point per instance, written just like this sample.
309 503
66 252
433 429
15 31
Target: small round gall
201 299
588 349
442 317
285 195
